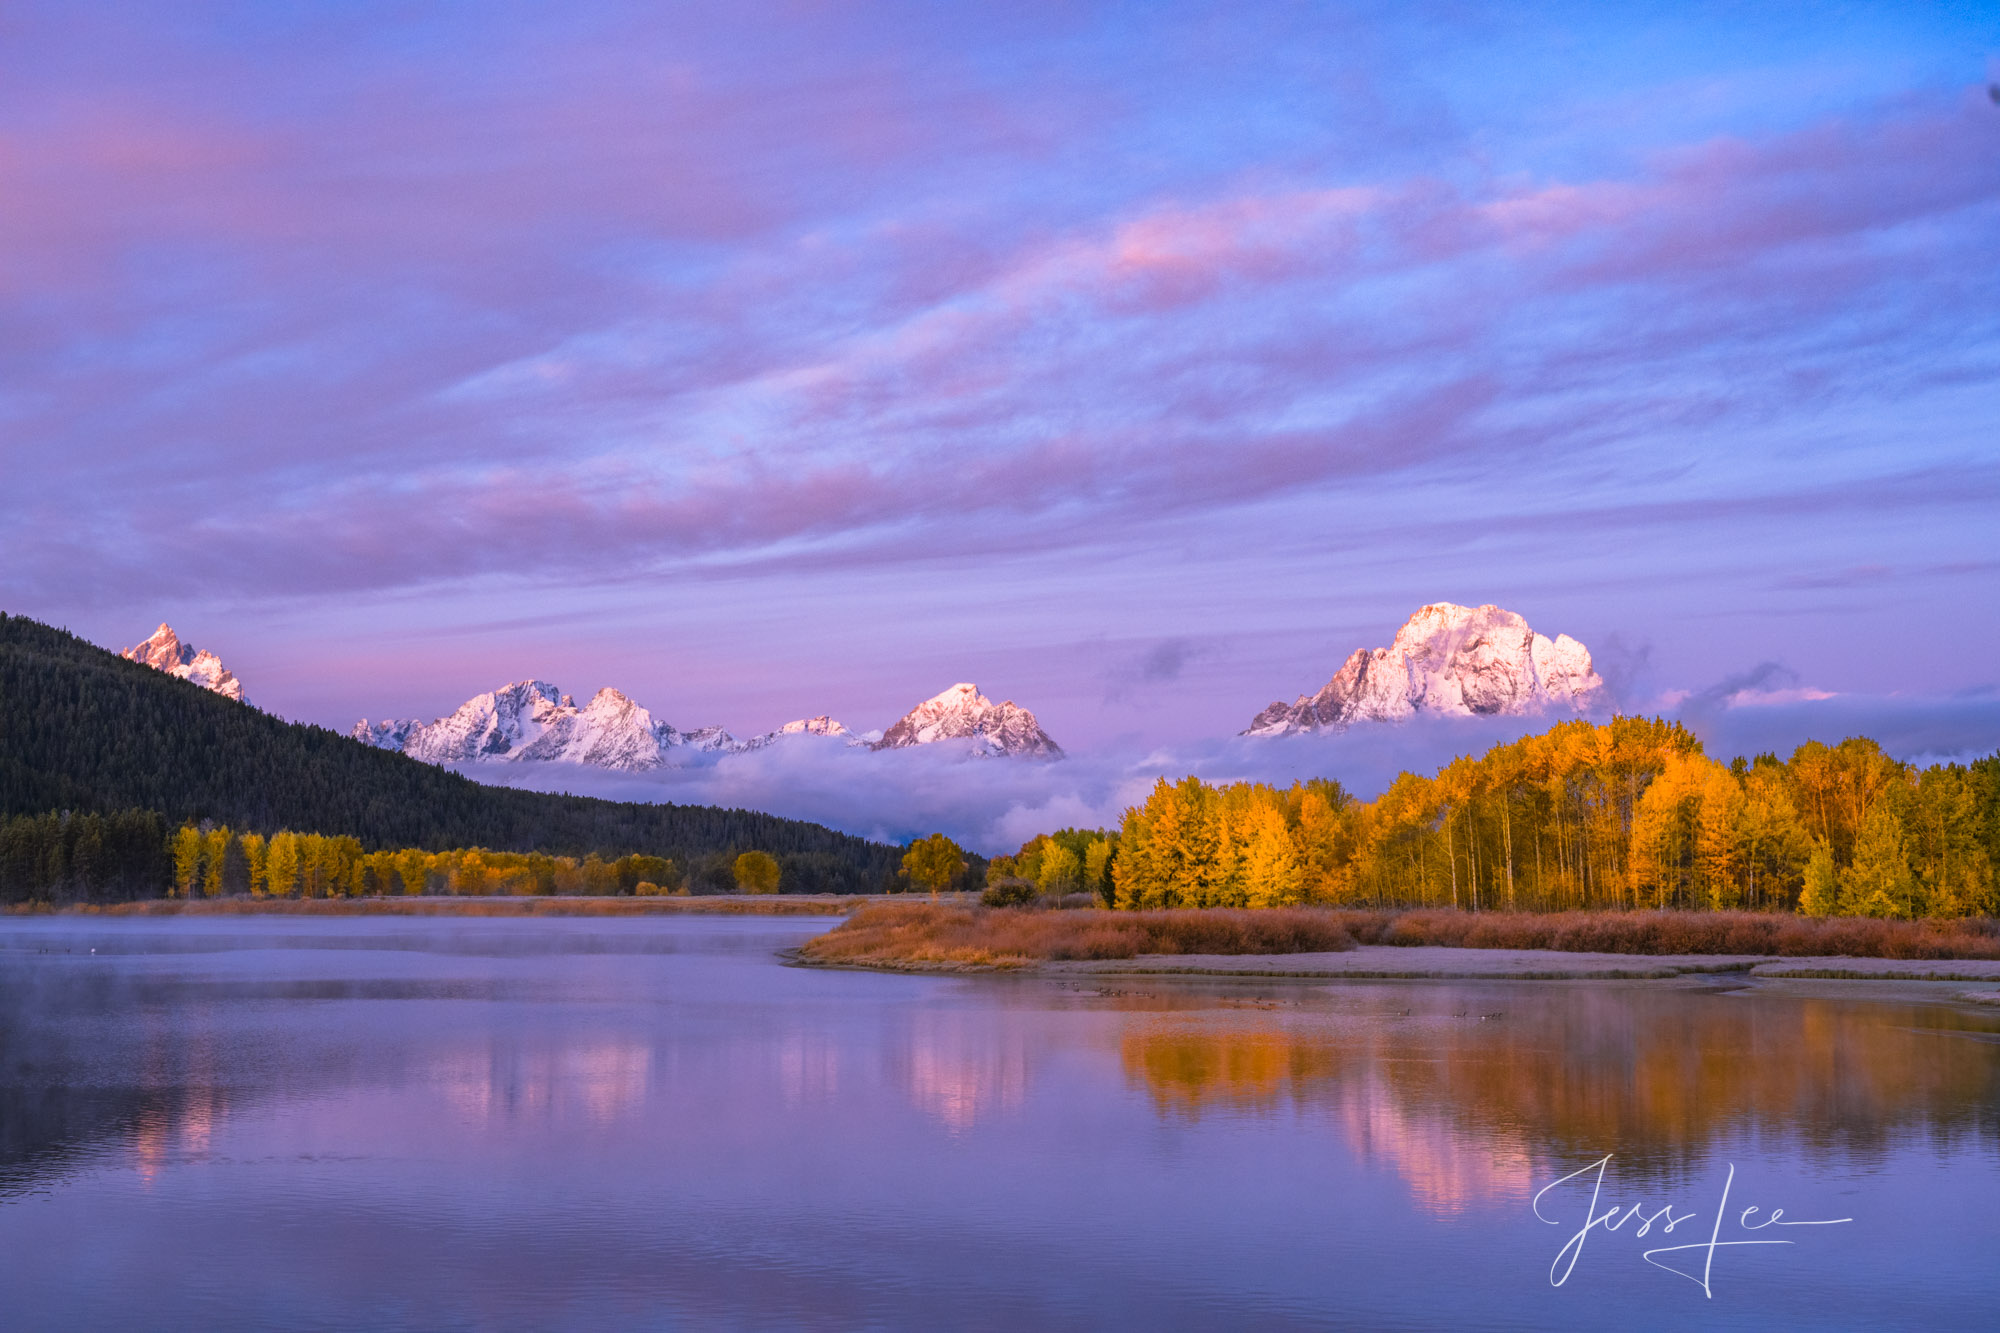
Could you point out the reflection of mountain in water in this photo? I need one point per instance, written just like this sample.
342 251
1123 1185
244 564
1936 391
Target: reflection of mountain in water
1471 1109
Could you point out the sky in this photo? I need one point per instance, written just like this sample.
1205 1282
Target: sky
1136 362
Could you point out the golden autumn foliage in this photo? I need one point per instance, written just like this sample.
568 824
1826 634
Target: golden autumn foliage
217 862
1624 815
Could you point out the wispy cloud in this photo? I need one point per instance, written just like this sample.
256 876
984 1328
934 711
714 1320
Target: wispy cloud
301 310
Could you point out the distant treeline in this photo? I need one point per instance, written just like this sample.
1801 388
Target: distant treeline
218 862
1583 816
84 730
114 857
132 855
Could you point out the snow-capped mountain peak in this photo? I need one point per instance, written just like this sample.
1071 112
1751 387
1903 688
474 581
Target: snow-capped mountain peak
164 651
822 725
963 713
532 720
1447 659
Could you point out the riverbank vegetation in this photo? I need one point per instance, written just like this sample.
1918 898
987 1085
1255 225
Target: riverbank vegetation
130 855
1583 817
1666 932
709 904
927 935
923 936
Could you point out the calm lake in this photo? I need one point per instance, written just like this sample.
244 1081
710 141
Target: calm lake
638 1123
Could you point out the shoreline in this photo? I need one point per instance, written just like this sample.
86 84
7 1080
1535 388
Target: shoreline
739 904
1930 980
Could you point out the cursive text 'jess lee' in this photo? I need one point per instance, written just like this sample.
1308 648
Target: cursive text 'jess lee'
1615 1217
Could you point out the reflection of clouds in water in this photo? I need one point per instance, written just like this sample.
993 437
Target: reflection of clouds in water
596 1081
962 1071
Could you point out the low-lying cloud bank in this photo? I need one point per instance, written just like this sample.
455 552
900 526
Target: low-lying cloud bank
994 805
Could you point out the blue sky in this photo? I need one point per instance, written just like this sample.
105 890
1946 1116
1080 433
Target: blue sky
1137 362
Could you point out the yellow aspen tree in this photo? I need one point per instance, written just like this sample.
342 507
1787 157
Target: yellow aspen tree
1719 838
281 864
1878 881
214 851
1061 871
253 861
187 851
1272 873
1820 895
1134 874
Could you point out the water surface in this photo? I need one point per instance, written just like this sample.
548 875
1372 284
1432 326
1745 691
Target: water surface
651 1122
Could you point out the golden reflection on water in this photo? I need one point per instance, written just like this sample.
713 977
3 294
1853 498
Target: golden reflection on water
1470 1109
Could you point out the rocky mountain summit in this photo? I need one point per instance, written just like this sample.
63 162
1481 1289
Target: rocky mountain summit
963 713
1449 660
811 726
532 720
165 652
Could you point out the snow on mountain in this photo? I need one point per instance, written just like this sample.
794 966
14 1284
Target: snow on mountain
822 725
963 713
710 740
531 721
813 726
165 652
1450 660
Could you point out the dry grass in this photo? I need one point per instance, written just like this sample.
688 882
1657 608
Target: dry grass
923 936
926 936
800 905
1678 932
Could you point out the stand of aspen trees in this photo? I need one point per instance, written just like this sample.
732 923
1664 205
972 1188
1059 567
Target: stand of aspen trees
216 862
1630 814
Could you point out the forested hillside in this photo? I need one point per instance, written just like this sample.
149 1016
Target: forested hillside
83 730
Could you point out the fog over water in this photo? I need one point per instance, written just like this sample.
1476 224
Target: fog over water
500 1123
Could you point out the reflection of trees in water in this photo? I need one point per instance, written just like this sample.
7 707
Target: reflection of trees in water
1470 1110
102 1063
596 1079
142 1091
959 1069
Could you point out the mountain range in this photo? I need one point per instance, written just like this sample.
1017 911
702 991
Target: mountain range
532 721
1447 660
